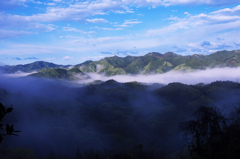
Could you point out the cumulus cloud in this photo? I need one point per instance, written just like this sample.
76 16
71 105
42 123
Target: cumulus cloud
181 31
229 11
80 10
192 30
215 20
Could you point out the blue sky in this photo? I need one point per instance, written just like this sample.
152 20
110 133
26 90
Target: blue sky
73 31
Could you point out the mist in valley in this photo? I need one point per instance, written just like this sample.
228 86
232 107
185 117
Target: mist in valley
187 77
61 116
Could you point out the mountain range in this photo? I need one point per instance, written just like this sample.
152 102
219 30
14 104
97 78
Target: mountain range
150 63
160 63
61 73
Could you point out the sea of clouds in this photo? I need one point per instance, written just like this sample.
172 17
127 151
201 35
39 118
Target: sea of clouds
199 76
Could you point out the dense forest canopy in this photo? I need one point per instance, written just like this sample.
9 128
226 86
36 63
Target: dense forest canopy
107 115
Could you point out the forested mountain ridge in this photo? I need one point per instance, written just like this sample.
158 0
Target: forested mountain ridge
160 63
60 73
150 63
123 114
35 66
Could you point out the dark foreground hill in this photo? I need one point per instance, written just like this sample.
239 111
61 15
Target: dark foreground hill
132 120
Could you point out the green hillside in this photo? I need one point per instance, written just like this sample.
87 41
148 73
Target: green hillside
35 66
150 63
60 73
161 63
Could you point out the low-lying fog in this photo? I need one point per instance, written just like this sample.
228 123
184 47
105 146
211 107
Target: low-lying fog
54 116
195 77
191 77
17 74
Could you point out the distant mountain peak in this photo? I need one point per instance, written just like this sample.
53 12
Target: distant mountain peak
155 62
60 73
170 54
150 63
154 54
35 66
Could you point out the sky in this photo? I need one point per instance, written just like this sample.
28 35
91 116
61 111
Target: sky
73 31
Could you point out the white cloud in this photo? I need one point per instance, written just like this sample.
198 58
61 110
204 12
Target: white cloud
45 28
17 74
81 11
155 3
50 4
50 59
199 2
92 58
129 23
215 21
199 76
97 20
23 23
67 58
74 12
190 31
57 0
229 11
111 29
72 29
152 3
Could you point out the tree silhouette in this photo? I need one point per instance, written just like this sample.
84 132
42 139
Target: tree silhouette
206 133
7 129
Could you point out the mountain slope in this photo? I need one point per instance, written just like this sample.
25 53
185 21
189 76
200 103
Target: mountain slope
60 73
35 66
148 64
161 63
